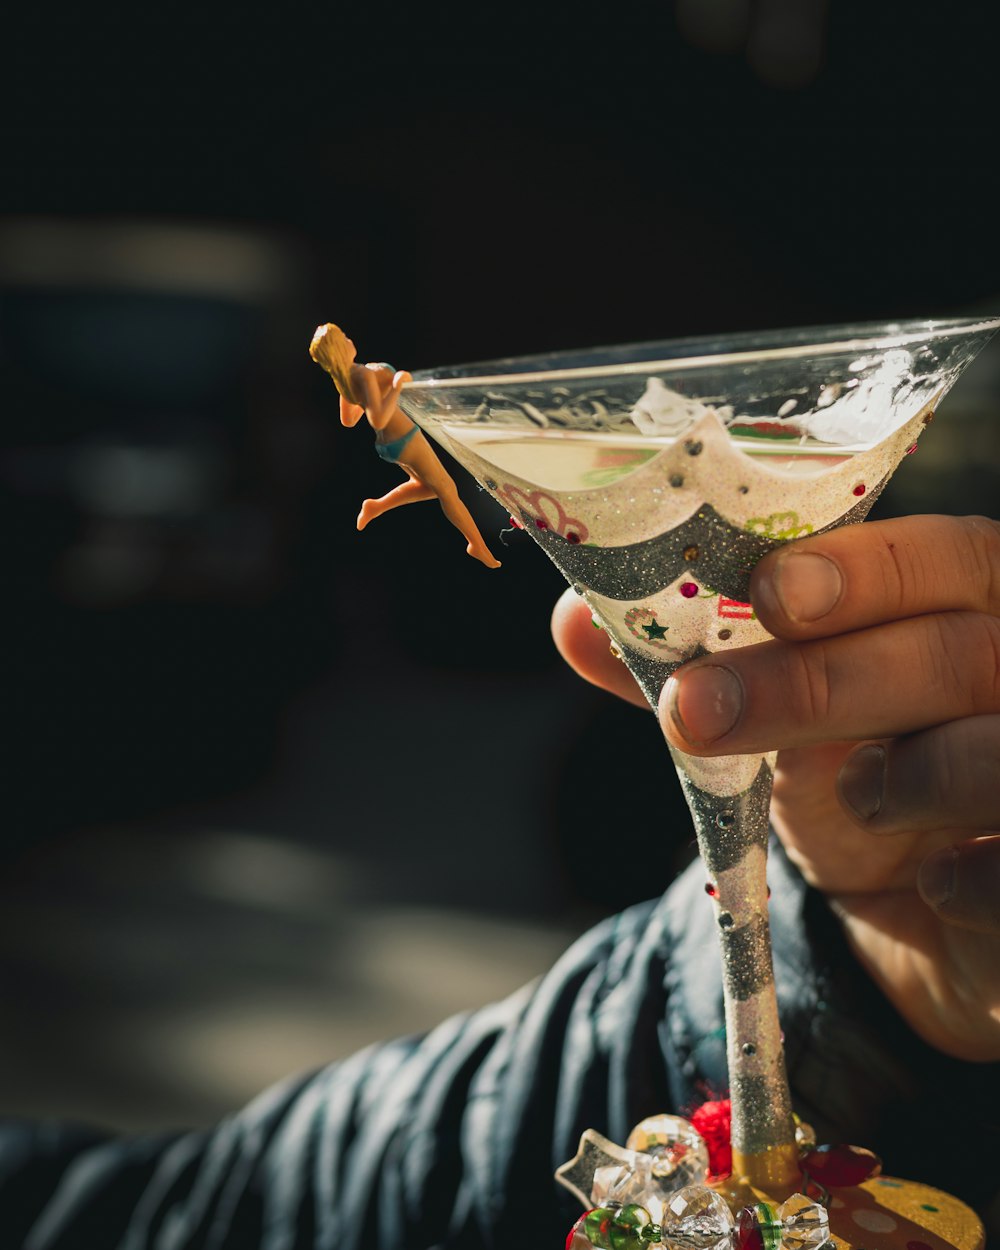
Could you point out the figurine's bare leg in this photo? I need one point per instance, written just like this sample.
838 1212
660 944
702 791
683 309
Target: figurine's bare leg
457 513
460 516
426 467
412 491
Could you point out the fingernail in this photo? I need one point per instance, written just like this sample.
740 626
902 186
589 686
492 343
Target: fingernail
936 879
705 703
862 781
807 586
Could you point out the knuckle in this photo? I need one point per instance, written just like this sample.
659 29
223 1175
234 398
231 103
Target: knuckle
962 651
901 573
809 681
979 551
939 774
946 777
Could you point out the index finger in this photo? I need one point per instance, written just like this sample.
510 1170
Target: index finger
881 571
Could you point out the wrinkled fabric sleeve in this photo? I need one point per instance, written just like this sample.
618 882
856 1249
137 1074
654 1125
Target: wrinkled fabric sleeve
449 1141
414 1143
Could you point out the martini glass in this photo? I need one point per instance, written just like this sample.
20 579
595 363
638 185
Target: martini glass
655 476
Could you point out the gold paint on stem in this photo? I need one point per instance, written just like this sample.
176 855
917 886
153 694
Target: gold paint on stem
775 1170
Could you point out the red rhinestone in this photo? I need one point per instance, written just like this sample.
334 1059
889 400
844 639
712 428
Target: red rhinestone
572 537
841 1165
860 488
516 523
578 1231
749 1235
710 889
542 525
688 590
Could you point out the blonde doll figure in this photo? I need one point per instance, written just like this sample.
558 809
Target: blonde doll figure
371 390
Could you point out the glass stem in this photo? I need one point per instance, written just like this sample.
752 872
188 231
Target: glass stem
732 829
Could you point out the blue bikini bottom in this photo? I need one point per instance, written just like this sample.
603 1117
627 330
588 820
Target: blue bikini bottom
392 451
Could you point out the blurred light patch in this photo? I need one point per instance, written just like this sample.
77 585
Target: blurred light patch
114 564
718 26
787 42
122 481
262 872
145 352
784 40
136 312
169 257
392 972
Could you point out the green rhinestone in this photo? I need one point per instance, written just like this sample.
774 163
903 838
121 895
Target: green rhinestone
597 1226
627 1226
651 1234
770 1226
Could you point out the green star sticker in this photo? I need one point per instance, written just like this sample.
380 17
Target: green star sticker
654 630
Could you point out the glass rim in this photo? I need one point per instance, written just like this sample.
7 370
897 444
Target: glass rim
808 341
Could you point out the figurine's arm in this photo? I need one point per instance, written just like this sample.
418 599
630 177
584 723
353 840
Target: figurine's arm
391 420
350 414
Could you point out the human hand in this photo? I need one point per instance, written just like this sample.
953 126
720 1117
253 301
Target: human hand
886 634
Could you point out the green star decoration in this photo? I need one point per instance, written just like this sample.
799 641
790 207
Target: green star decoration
655 630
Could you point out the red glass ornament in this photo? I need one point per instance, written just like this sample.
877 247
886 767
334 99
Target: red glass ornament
578 1228
573 537
516 523
860 488
748 1235
841 1165
757 1228
543 526
911 449
710 889
688 590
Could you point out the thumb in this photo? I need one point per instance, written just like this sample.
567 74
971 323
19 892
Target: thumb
962 884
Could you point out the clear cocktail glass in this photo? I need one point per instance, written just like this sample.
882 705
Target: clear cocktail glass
655 476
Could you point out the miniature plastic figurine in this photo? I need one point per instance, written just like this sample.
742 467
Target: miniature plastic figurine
371 390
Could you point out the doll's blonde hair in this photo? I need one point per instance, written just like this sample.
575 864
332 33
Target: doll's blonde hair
331 348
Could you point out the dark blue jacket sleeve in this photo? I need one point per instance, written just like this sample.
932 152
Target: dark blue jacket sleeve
450 1140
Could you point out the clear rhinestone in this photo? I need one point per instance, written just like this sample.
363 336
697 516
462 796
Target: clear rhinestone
622 1182
697 1218
805 1225
678 1150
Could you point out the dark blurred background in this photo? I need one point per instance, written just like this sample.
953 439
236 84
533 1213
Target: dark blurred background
274 789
